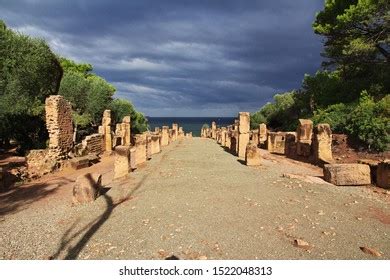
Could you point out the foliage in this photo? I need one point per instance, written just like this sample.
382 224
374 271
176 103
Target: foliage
335 115
29 72
370 122
121 108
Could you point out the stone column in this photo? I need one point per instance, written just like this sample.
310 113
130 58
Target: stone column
276 142
155 144
122 161
304 137
243 128
175 131
252 154
213 130
126 131
148 146
322 144
59 125
223 136
140 145
105 129
165 136
262 133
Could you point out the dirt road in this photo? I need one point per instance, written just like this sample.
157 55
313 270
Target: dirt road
196 201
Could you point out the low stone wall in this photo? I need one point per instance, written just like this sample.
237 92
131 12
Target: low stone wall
93 143
40 162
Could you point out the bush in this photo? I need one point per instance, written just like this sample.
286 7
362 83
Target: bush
335 115
370 122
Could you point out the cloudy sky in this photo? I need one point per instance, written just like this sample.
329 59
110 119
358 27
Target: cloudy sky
180 57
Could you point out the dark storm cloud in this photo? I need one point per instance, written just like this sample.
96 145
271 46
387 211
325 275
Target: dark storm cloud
198 58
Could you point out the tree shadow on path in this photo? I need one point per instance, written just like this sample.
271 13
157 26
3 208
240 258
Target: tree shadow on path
92 227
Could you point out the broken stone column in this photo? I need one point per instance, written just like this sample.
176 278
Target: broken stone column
175 132
87 188
59 125
276 142
234 142
126 131
181 134
291 144
262 133
255 136
213 130
223 136
347 174
157 130
105 129
243 128
383 175
148 146
322 144
133 162
140 145
155 144
304 137
252 154
122 161
228 139
165 136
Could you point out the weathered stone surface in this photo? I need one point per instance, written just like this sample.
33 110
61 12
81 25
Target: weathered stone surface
140 144
126 131
157 130
373 164
348 174
165 136
322 144
79 162
93 144
213 130
252 155
304 130
383 175
262 133
40 162
122 161
228 139
175 128
155 144
290 146
244 122
255 136
189 135
148 146
243 141
276 142
223 136
133 162
59 125
87 188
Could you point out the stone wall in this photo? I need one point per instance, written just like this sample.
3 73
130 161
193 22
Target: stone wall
59 125
93 143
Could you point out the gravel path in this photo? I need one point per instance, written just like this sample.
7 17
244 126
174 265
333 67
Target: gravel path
196 201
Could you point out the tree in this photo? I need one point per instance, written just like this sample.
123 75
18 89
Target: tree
29 72
121 108
356 31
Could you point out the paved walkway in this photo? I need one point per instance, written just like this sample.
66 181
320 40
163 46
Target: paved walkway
195 201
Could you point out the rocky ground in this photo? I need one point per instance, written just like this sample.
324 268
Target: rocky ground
196 201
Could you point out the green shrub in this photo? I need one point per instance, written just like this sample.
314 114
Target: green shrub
335 115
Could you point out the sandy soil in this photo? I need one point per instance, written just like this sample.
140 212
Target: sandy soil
195 201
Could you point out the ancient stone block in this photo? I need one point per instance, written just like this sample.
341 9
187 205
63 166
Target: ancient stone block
93 144
140 144
223 136
304 130
213 130
79 162
148 147
175 132
234 142
228 139
87 188
322 144
373 164
59 125
252 155
165 136
122 161
255 136
157 130
133 162
262 133
242 143
244 122
155 144
40 162
276 142
126 131
383 175
290 146
189 135
347 174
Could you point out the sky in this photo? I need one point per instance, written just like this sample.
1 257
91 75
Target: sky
181 58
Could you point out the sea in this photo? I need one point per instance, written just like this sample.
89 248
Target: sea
189 124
